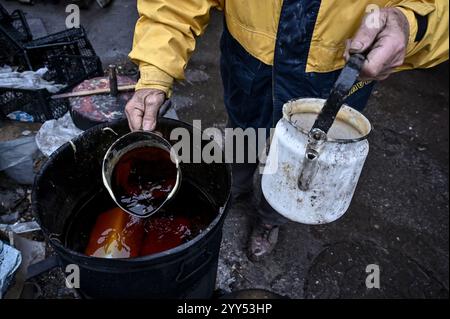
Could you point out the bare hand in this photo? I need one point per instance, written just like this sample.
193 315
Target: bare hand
383 36
143 108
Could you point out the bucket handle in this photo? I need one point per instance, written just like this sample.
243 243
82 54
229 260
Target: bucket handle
182 278
316 140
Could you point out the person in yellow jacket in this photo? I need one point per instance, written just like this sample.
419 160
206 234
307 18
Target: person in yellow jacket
276 50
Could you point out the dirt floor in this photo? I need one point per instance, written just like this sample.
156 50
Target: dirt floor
399 216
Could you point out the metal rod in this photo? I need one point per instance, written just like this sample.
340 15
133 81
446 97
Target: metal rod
114 91
124 88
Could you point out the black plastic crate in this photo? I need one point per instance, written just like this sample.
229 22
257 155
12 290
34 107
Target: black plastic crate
20 23
14 32
12 52
72 70
16 24
37 103
74 35
68 55
4 14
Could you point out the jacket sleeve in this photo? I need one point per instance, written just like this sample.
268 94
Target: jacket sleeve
164 38
432 47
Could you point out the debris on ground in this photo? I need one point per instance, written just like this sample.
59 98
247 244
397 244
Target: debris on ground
27 80
10 130
20 116
15 201
10 260
21 242
54 133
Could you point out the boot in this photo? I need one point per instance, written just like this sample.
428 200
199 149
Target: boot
263 240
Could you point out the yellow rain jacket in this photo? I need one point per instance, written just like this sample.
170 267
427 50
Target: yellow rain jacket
166 31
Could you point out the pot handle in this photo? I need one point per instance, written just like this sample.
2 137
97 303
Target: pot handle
310 166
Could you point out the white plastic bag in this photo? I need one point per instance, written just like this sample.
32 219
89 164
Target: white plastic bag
55 133
10 260
28 80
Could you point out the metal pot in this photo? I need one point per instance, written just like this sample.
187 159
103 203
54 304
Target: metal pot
127 143
315 174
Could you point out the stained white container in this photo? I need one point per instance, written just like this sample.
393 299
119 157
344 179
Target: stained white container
311 178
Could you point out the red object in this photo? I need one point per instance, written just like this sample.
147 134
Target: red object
91 110
164 233
116 234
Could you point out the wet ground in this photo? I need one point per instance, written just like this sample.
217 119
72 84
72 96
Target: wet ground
398 219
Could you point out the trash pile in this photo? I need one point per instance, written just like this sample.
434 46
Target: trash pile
40 67
21 243
27 264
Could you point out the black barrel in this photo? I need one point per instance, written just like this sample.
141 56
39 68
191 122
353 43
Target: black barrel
73 173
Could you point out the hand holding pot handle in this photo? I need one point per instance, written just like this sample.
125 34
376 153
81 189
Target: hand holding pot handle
383 37
143 108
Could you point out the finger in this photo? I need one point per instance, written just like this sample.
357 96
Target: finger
367 34
128 119
151 109
128 115
135 119
347 49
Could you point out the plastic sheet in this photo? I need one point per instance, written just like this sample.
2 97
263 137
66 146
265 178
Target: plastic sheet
17 158
10 260
55 133
28 80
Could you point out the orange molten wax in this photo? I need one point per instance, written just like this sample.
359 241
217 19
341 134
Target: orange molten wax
164 233
116 234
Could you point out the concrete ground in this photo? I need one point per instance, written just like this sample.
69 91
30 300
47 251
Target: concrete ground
399 216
